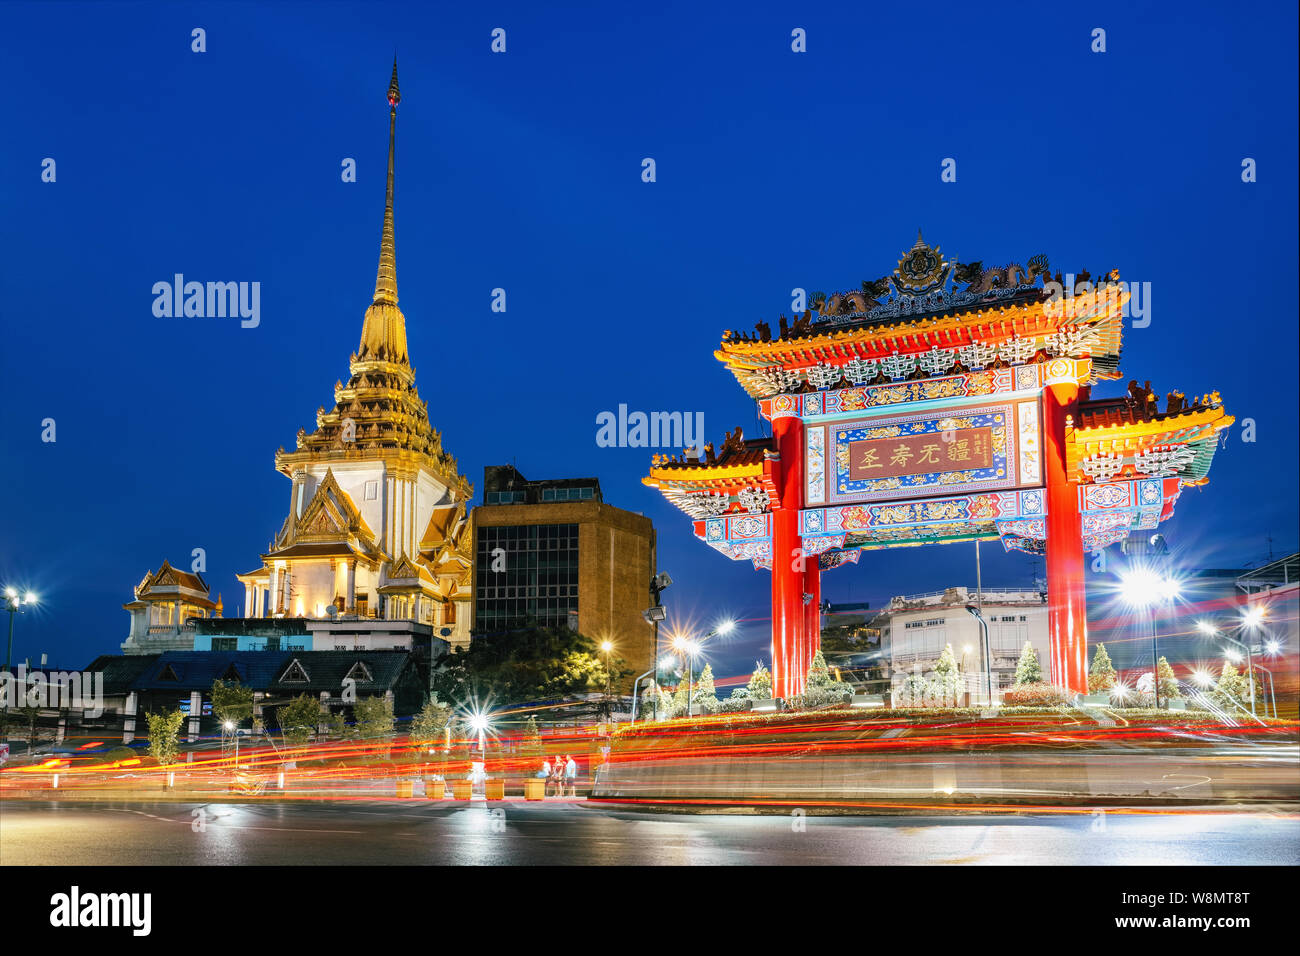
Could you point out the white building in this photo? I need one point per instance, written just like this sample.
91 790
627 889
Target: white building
916 628
164 600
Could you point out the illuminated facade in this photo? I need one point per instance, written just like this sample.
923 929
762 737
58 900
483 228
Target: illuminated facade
377 525
164 600
916 411
555 554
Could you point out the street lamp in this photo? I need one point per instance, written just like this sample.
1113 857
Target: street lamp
14 603
1251 617
606 647
230 728
688 649
1144 588
987 649
479 723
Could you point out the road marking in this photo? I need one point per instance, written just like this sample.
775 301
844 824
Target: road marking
233 826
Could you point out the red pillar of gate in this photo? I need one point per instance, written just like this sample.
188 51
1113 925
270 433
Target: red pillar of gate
788 563
812 587
1067 618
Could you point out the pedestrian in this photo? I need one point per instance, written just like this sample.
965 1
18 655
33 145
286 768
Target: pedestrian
557 776
571 775
545 773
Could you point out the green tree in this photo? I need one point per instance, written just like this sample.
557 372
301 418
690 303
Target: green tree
654 696
374 717
1230 689
760 682
335 725
298 719
164 735
679 698
231 701
1102 675
31 714
1028 670
820 688
946 682
706 694
529 664
1168 682
429 726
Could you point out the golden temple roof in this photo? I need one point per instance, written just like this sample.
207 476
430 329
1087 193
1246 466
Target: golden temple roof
379 412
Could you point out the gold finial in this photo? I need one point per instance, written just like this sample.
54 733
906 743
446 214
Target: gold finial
383 334
386 280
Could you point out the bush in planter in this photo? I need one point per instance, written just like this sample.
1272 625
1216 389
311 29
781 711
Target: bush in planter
760 683
735 704
1036 695
820 689
914 692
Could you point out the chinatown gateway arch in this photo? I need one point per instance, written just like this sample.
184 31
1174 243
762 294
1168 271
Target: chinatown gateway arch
945 402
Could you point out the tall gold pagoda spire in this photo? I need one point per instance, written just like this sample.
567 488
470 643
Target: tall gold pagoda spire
383 334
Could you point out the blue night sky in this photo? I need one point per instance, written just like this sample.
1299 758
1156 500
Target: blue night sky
522 171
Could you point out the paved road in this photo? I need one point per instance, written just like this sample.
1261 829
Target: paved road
373 832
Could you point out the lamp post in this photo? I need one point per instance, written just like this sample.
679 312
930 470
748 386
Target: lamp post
606 647
233 731
14 604
1144 588
688 649
1251 618
986 649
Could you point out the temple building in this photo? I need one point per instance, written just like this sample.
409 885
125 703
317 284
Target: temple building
164 601
377 526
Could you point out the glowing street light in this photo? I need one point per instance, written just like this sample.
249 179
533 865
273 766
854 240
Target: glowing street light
230 729
1145 588
688 649
14 604
1205 627
1252 616
1272 647
479 723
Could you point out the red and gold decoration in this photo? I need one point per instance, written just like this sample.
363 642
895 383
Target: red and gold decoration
945 402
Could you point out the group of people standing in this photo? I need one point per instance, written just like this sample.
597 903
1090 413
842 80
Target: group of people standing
560 773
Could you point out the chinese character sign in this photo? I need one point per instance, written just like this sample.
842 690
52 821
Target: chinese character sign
942 451
956 450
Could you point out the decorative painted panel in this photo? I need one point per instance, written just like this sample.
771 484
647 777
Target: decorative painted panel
968 449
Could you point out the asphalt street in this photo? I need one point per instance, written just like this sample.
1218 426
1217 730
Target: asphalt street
516 833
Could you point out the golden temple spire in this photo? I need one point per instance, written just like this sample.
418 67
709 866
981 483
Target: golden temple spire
383 335
386 280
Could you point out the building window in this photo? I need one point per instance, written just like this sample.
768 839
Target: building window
372 490
540 580
225 643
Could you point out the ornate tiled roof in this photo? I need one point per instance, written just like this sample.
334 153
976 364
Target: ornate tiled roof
1004 316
